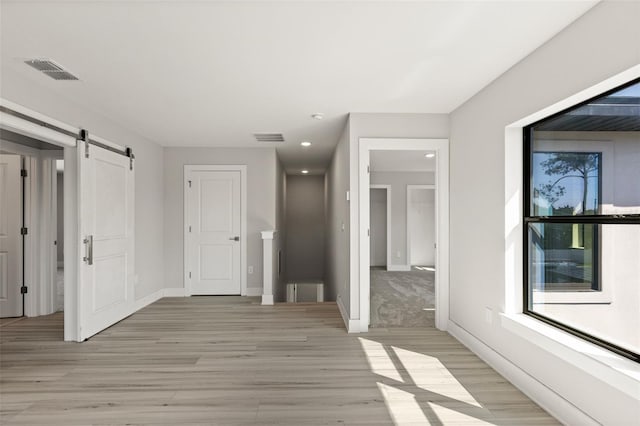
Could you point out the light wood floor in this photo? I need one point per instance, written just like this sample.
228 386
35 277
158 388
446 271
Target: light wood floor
230 361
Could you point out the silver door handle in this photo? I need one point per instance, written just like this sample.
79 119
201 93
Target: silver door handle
234 238
88 243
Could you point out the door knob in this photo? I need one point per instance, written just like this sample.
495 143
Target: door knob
234 238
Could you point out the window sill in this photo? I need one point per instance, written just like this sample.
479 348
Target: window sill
572 297
615 370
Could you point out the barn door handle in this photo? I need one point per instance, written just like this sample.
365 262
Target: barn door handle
88 244
234 238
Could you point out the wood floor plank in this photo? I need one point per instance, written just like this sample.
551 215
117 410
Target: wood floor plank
231 361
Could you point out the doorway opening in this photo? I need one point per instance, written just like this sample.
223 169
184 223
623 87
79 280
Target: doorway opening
402 238
413 288
28 258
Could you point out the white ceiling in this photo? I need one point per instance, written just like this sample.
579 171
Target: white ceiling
211 73
401 161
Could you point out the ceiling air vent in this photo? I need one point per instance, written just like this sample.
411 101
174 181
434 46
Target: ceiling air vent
50 68
269 137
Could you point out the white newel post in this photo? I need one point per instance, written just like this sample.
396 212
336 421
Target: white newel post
267 267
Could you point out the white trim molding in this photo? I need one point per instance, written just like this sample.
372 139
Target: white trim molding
553 403
398 268
441 148
353 325
188 168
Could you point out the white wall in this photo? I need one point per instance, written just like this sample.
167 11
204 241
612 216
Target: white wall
261 204
399 182
336 275
305 228
600 44
374 125
149 188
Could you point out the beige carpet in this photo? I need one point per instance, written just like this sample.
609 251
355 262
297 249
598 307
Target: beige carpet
402 299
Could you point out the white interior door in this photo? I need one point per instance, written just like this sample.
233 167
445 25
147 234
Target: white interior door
10 237
107 238
214 232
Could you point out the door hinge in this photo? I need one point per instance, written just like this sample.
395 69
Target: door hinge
23 172
24 231
189 184
129 152
84 136
24 289
189 228
368 169
189 275
368 232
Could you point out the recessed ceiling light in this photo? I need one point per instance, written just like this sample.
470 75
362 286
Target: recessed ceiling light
317 116
305 143
430 155
304 172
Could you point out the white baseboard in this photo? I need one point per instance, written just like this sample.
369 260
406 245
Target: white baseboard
148 299
267 299
254 291
553 403
353 326
399 268
173 292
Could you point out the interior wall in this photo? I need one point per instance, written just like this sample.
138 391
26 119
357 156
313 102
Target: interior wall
60 218
42 95
378 227
280 271
261 204
305 228
600 44
399 182
421 221
336 276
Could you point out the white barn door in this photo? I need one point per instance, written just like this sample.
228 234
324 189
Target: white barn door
213 232
106 287
10 237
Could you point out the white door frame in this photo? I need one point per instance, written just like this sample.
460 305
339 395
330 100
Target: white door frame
388 191
188 169
409 189
441 148
72 243
40 219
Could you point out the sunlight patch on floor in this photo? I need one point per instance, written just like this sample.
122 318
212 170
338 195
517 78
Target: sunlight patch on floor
402 406
430 374
379 360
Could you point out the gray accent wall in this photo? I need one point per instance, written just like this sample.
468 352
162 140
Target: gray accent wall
602 43
261 203
336 273
305 228
279 285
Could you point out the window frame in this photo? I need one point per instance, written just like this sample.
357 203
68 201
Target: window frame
599 219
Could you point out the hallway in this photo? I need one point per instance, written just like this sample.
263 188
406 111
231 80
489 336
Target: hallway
231 361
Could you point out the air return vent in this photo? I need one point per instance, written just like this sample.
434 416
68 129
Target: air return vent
269 137
50 68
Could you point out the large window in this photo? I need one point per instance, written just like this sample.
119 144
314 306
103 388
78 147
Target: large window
582 220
